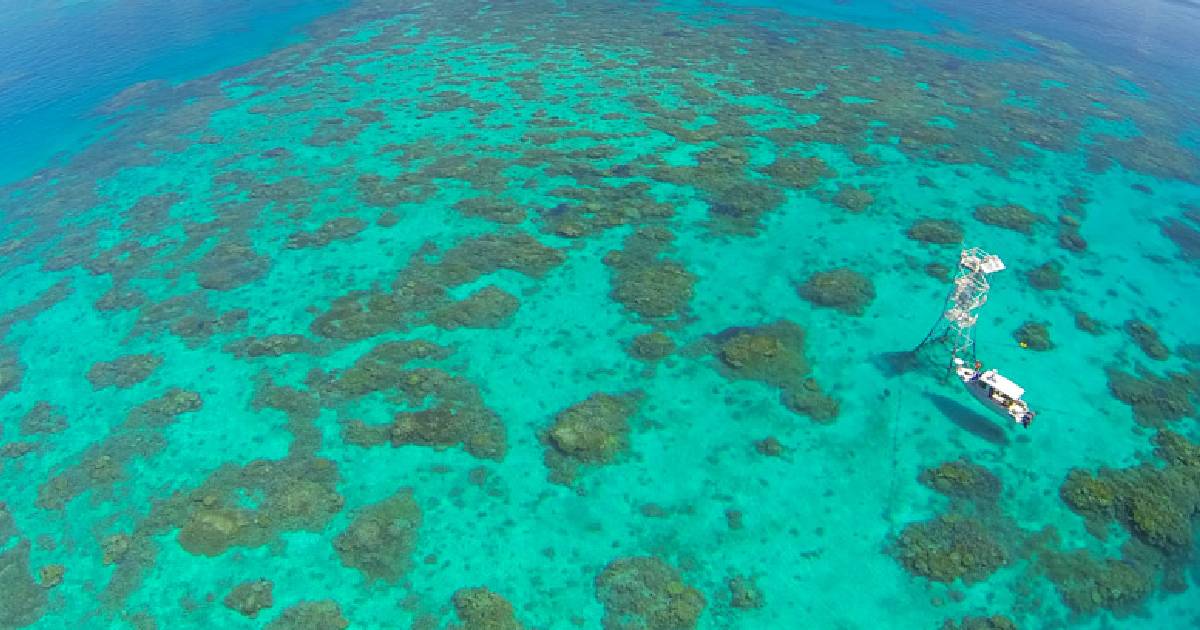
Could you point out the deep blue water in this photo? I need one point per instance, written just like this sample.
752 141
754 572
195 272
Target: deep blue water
60 59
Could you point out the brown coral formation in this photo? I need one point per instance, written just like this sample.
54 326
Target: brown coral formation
842 289
1147 339
123 372
43 418
22 600
292 495
106 462
962 479
936 231
744 594
591 432
481 609
310 615
994 622
644 593
1046 277
773 354
1033 336
381 538
950 547
853 198
652 346
250 598
338 229
11 373
646 284
1156 400
231 265
271 346
1009 217
489 307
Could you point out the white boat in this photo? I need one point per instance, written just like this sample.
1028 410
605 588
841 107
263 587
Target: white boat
995 391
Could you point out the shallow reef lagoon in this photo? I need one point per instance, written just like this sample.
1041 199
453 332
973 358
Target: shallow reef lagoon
595 314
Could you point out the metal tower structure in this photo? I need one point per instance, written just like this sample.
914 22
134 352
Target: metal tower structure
967 297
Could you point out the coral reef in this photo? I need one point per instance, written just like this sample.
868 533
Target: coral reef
962 479
43 418
644 593
591 432
652 346
22 600
1046 277
1186 237
744 594
853 199
250 598
936 231
481 609
950 547
994 622
1084 322
338 229
1156 400
231 265
312 615
646 284
292 495
1009 217
1147 339
1033 336
774 354
380 539
458 417
842 289
271 346
489 307
123 372
11 373
1087 584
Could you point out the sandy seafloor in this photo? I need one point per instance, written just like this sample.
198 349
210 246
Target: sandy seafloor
179 233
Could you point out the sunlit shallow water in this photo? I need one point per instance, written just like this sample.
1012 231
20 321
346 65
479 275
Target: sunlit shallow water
570 315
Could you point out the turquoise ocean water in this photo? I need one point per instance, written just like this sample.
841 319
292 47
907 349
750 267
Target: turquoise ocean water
595 314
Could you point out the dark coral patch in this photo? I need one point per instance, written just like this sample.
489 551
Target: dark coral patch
250 598
1186 237
948 548
310 615
231 265
482 609
339 229
842 289
1087 584
381 538
652 346
963 479
853 198
1147 339
591 432
43 418
644 593
1156 400
289 495
11 374
1033 336
489 307
773 354
123 372
1046 277
936 231
22 599
271 346
645 283
1009 217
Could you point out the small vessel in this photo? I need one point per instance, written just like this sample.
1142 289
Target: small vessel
994 390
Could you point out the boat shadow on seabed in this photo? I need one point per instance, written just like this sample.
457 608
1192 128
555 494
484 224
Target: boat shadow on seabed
896 364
